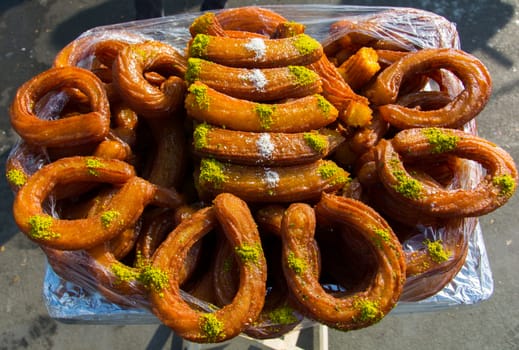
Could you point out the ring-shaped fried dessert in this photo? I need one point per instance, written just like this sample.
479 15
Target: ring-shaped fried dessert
298 50
493 190
145 98
278 315
250 19
95 50
268 148
298 115
270 184
235 219
267 84
351 311
124 209
477 87
74 130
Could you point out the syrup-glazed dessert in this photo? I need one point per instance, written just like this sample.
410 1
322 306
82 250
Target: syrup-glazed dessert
256 177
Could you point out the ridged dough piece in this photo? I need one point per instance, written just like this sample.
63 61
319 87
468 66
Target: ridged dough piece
464 107
266 148
169 304
275 184
350 310
255 84
306 113
74 130
256 52
493 190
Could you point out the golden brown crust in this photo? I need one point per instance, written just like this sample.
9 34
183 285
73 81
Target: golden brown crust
74 130
62 234
256 52
306 113
492 192
275 184
465 106
267 84
250 19
228 321
280 149
143 97
351 311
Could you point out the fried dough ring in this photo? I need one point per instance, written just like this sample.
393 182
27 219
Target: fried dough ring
250 19
92 50
280 149
266 84
493 191
361 308
278 316
298 50
143 97
124 208
168 163
353 109
74 130
276 184
464 107
306 113
240 229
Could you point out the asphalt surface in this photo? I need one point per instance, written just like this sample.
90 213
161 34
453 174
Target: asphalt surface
32 32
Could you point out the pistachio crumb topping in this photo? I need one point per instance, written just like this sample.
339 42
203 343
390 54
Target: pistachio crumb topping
40 227
194 66
200 135
305 44
369 310
441 141
329 170
212 328
108 217
406 185
296 264
302 75
200 94
282 315
93 165
153 278
199 45
248 253
201 23
16 177
381 235
506 184
436 250
124 273
212 171
264 113
316 141
324 105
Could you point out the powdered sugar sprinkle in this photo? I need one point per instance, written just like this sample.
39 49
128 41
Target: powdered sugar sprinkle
258 46
256 77
265 146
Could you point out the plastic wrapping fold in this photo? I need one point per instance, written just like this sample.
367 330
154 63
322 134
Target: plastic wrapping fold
409 29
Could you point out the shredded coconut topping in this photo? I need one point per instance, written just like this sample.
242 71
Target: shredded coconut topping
265 146
258 46
257 78
271 178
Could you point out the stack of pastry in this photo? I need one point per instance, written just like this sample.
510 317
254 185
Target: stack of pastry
327 182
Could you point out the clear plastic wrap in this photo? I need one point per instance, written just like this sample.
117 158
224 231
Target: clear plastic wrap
80 301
